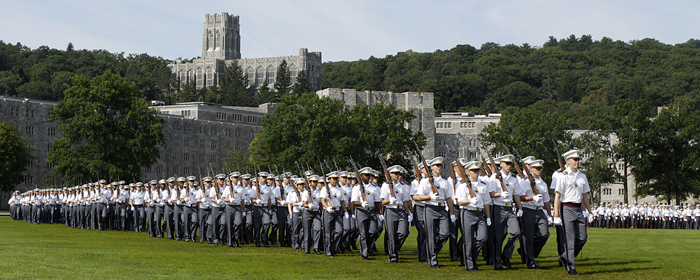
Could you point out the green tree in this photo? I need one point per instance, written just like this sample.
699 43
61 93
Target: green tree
283 80
598 163
108 131
15 154
301 85
233 87
264 95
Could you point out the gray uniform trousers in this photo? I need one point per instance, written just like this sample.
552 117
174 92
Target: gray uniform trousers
367 227
248 232
217 229
203 218
190 221
139 216
296 229
535 234
576 234
505 222
419 216
349 227
274 225
158 222
178 214
312 230
169 219
333 231
13 212
490 247
120 215
455 240
281 216
234 223
437 225
396 222
87 220
261 225
474 235
151 217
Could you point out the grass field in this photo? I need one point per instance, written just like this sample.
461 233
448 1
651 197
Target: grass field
31 251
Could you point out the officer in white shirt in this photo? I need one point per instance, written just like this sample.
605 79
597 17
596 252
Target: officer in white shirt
435 192
572 194
333 202
472 197
505 221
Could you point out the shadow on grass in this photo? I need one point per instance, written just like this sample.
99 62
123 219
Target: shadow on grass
622 270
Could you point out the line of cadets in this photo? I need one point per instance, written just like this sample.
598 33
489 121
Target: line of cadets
329 214
646 216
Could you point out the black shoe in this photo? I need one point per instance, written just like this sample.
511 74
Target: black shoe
423 261
573 272
506 262
372 253
365 258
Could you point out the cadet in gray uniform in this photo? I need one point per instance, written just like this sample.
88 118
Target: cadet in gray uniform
217 209
136 202
234 196
204 210
572 193
190 218
472 197
505 221
437 224
261 210
169 197
295 206
398 207
333 202
311 220
366 203
178 194
534 220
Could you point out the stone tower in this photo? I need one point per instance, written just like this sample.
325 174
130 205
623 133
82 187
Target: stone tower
222 37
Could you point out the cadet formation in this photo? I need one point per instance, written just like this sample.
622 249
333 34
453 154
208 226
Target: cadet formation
481 208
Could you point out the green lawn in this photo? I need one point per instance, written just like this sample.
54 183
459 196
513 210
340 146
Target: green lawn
55 252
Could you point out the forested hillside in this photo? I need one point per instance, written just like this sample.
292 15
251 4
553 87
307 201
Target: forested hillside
42 73
568 73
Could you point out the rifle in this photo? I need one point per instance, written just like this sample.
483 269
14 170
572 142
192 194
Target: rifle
529 176
464 177
415 168
452 170
359 179
561 163
281 185
328 192
389 181
201 184
257 188
487 169
514 164
425 165
336 165
498 174
216 183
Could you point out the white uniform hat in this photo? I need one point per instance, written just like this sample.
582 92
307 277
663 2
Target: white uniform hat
299 181
171 180
394 169
206 179
313 178
506 158
270 176
343 174
235 174
181 179
161 181
191 178
262 174
472 165
536 163
528 158
435 161
333 174
366 170
245 176
572 154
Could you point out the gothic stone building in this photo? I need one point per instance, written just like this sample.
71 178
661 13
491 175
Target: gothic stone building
221 46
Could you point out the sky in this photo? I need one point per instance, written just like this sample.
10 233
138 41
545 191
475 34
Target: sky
340 30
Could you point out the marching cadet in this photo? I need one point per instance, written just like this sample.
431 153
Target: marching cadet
248 230
179 195
234 197
217 209
625 216
687 216
311 221
395 197
191 215
163 194
124 197
102 213
435 192
601 216
261 210
374 183
333 202
349 224
419 210
505 221
366 201
136 201
169 197
279 219
534 219
275 186
355 231
295 207
696 216
14 203
113 211
490 247
472 197
455 242
572 192
204 200
150 196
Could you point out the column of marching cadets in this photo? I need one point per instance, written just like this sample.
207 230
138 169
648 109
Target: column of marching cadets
475 210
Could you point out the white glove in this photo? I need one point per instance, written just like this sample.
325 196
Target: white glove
505 195
557 221
133 209
410 218
519 213
365 204
283 203
473 201
434 197
549 221
330 210
314 206
537 198
585 214
243 214
453 218
590 218
488 222
221 201
346 215
392 200
380 218
353 216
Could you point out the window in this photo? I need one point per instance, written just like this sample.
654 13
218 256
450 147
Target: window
621 192
31 163
449 125
175 169
186 156
237 117
187 143
259 76
212 158
185 113
30 113
28 180
202 130
51 131
438 125
187 171
270 75
14 112
201 144
220 116
50 165
187 128
29 130
159 169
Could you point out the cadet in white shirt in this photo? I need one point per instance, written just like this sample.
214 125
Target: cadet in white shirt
136 201
204 200
261 210
333 202
435 192
419 214
191 217
366 201
311 220
534 219
234 196
397 200
217 210
295 208
572 192
472 197
505 221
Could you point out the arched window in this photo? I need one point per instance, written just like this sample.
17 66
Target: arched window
217 40
210 41
250 75
200 77
259 75
270 74
293 73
